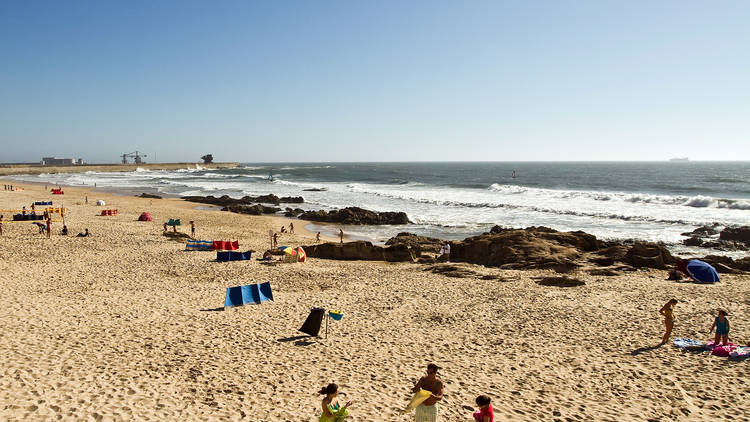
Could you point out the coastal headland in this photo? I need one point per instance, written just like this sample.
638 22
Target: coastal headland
12 169
127 325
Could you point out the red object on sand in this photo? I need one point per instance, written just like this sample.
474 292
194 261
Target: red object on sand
145 217
222 245
57 192
109 212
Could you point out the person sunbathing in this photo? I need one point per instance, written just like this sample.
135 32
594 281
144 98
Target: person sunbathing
83 234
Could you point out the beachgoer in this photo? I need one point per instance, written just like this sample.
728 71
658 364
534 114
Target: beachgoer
317 238
722 328
1 225
341 236
485 412
87 199
40 226
332 410
49 227
291 228
446 251
267 256
64 231
668 311
192 228
283 229
174 228
165 226
428 410
275 240
33 209
23 211
83 234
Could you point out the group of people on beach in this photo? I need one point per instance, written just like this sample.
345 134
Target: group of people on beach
426 411
721 324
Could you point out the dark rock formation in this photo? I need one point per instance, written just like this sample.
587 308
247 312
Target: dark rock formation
315 190
534 247
289 212
360 250
226 200
702 231
651 255
256 209
418 244
737 234
148 195
356 216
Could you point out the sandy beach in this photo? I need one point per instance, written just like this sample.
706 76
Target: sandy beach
127 325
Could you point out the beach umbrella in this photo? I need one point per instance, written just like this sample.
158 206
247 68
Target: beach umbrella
301 254
288 250
702 271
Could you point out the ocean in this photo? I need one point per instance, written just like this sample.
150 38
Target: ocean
654 201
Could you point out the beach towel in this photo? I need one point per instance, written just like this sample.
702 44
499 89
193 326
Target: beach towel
740 352
174 222
417 399
689 344
43 203
313 321
723 351
251 293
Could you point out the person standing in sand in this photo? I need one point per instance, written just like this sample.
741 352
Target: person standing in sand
341 236
275 240
1 225
317 238
192 229
428 410
668 311
49 226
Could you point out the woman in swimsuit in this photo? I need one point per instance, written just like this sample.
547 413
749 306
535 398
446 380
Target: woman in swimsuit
668 311
332 410
722 328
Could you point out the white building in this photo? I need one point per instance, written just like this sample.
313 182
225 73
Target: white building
54 161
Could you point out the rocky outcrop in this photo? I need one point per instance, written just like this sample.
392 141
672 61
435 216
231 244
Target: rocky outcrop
360 250
736 234
148 195
355 216
534 247
418 244
289 212
560 282
651 255
256 209
226 200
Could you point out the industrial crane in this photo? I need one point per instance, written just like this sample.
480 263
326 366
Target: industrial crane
136 156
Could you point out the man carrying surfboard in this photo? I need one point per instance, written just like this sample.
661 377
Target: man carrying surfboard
427 411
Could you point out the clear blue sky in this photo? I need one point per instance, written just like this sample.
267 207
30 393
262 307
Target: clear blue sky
375 81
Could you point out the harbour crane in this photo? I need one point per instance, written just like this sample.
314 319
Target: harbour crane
136 156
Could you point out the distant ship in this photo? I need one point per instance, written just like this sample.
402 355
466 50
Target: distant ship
679 160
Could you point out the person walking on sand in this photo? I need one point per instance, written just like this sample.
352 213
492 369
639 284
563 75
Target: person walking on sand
428 410
668 311
317 238
291 227
275 240
721 323
49 226
341 236
1 225
332 410
87 199
192 229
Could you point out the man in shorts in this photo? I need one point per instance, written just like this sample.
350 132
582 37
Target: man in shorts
428 410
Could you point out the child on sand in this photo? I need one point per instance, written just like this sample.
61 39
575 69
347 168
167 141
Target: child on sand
332 410
722 328
485 412
668 311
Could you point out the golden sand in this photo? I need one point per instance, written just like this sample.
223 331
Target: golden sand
124 325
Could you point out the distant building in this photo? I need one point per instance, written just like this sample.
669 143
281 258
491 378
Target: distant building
54 161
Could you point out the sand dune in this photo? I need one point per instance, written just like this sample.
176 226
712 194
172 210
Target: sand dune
124 325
